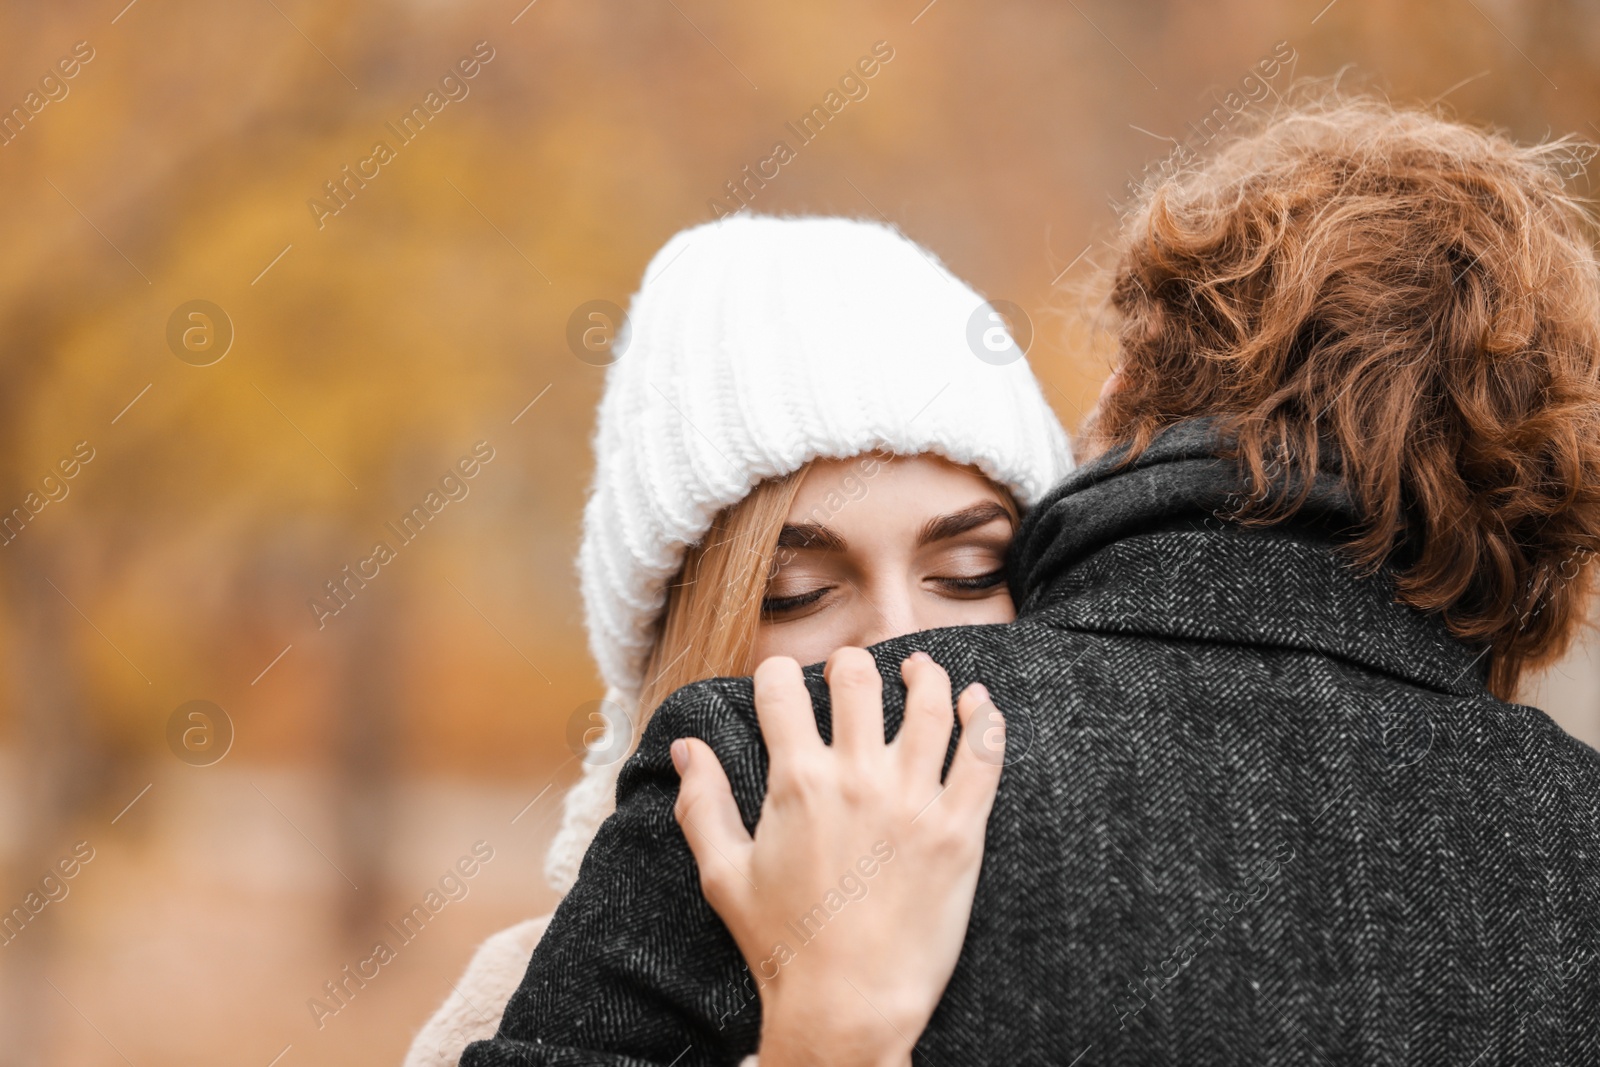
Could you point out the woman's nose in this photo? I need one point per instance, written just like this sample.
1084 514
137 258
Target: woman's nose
885 613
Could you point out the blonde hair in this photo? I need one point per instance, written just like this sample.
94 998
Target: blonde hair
713 610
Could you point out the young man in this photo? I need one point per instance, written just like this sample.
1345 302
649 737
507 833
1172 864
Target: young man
1265 798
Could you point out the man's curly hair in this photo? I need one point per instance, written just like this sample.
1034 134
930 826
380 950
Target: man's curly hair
1419 295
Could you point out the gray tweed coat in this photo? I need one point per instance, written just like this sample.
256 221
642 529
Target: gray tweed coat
1254 812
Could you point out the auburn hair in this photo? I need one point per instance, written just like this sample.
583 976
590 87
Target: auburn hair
1418 295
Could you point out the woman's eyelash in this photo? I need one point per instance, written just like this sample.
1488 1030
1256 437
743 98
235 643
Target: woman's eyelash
777 605
980 581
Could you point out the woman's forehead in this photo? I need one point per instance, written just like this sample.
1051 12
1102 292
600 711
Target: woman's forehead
842 494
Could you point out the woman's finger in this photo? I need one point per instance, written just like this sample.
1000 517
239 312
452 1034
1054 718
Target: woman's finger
856 690
711 822
925 734
783 708
975 771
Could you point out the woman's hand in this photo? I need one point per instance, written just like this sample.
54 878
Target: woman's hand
851 902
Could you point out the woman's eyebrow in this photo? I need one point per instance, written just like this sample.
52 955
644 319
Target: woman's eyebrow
959 522
810 535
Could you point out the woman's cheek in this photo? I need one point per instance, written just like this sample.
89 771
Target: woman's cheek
959 612
807 640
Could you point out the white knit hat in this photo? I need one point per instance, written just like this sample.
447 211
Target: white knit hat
756 345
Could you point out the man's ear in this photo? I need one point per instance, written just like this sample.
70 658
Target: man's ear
1112 383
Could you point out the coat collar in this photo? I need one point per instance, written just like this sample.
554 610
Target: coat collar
1147 550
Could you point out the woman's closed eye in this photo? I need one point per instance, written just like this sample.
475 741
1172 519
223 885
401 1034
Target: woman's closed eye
976 583
791 603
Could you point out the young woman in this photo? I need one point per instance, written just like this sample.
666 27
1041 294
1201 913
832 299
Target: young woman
799 451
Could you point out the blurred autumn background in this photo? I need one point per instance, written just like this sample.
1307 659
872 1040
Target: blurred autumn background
348 359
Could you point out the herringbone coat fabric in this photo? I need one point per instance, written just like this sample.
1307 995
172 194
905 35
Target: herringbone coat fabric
1254 812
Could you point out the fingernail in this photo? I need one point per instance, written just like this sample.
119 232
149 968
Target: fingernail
680 754
979 690
918 655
